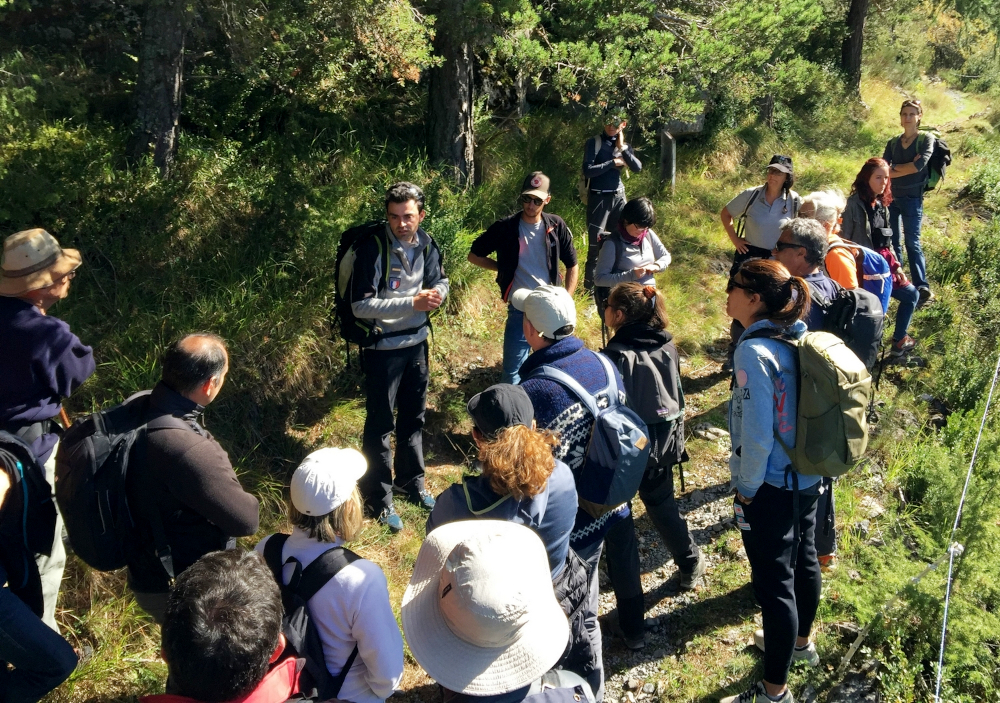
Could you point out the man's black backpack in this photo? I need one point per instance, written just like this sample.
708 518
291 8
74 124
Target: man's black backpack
297 626
91 467
29 519
856 317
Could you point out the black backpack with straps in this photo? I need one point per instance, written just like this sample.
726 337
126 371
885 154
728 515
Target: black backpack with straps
92 463
300 632
28 520
856 317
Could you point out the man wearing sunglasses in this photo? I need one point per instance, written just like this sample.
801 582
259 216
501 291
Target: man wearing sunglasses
528 246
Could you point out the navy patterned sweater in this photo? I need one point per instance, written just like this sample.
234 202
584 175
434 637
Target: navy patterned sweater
558 410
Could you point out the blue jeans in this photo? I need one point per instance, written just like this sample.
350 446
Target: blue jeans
42 659
907 298
515 346
909 209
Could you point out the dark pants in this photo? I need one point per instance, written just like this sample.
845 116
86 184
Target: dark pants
788 594
397 379
592 555
153 604
826 521
603 210
42 659
622 550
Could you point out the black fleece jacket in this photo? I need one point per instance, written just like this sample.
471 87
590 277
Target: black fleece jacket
189 480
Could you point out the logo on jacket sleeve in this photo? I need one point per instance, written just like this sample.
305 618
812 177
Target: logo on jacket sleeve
394 283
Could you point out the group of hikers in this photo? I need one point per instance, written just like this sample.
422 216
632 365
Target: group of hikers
503 600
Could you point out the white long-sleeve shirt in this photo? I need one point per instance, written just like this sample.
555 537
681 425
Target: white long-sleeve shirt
352 608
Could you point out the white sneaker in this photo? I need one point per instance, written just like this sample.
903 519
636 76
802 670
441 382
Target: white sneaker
807 654
757 694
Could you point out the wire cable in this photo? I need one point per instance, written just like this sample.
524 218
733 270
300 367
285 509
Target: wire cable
955 549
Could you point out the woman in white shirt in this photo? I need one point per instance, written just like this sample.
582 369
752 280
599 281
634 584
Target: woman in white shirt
352 609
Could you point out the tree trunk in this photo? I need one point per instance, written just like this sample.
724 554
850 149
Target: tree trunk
160 82
450 138
850 57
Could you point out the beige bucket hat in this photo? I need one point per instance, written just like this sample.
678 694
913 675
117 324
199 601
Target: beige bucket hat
33 259
480 614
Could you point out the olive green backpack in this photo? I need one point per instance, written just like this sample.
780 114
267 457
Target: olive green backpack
831 424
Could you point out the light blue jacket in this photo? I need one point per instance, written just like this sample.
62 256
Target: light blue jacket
764 401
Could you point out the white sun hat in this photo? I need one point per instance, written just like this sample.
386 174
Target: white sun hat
480 614
325 480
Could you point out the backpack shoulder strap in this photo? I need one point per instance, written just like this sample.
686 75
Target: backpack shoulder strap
611 389
272 554
571 384
322 569
597 145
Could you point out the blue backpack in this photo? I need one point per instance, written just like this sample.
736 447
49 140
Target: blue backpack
873 272
619 444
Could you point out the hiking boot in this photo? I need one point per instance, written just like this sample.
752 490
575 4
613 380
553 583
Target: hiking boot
925 296
902 346
390 518
633 643
807 654
689 581
421 497
757 694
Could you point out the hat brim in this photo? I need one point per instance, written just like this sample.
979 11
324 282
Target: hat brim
69 260
463 667
537 193
780 167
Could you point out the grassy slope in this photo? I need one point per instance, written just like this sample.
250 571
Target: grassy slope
466 357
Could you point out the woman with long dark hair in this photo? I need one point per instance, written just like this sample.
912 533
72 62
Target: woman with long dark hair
778 527
866 222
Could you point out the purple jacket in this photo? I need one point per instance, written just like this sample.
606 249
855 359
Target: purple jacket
42 363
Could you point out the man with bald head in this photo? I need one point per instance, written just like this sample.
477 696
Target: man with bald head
180 478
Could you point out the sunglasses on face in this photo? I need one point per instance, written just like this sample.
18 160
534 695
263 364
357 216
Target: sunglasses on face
733 284
531 200
781 246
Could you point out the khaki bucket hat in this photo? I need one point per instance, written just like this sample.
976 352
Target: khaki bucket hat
33 259
480 614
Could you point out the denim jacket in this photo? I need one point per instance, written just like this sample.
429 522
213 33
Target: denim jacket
764 401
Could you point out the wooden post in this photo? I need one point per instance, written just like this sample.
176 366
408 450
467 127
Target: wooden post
668 158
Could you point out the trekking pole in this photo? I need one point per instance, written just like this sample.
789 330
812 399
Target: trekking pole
64 417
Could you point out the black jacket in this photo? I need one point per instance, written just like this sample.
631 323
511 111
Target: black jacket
502 238
189 480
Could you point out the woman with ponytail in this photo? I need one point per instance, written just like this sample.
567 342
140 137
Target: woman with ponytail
644 352
775 507
520 480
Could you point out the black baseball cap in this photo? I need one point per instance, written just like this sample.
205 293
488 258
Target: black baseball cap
781 163
500 406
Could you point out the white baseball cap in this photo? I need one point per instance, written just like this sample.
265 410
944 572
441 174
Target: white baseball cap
325 480
548 309
480 614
